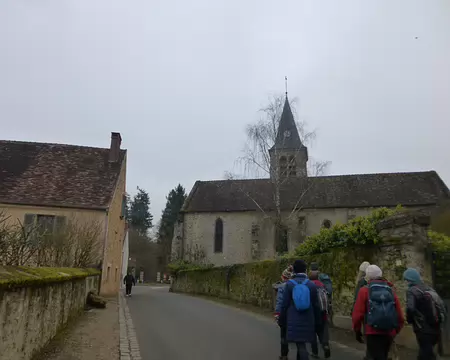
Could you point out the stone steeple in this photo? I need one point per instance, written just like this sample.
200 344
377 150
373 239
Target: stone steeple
288 156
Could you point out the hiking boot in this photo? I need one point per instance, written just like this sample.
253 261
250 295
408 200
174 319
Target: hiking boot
326 351
315 356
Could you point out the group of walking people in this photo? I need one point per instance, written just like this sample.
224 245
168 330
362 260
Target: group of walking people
304 308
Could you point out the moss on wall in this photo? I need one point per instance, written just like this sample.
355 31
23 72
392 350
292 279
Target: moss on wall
251 283
21 276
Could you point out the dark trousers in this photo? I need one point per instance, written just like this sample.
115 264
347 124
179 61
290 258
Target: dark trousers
378 346
283 341
128 289
322 333
302 352
426 346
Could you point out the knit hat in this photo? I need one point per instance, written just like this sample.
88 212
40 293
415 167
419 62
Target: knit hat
314 266
363 266
314 275
373 272
299 266
287 273
412 276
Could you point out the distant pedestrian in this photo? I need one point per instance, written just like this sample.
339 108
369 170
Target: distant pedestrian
378 307
300 310
280 289
322 329
129 281
426 311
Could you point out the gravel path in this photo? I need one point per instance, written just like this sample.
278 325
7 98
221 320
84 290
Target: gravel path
95 336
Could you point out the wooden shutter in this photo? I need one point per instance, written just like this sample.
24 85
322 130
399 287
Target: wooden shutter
29 221
60 223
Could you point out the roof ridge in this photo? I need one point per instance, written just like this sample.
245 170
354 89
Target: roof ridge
328 176
52 144
377 173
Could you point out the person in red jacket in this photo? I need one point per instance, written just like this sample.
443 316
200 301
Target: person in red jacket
385 318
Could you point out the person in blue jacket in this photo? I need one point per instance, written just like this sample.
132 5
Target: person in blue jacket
300 324
279 288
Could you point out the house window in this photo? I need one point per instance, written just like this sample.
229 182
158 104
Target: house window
218 236
44 224
326 224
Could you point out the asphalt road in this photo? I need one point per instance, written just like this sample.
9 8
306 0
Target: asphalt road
178 327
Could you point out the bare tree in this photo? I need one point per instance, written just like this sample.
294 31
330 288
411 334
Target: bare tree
261 159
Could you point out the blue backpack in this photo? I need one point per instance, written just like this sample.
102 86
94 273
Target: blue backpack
382 312
301 295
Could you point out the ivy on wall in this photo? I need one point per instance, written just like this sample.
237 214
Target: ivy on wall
358 231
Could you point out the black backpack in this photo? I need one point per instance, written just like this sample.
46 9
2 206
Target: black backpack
436 312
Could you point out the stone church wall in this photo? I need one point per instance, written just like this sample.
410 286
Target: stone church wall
249 236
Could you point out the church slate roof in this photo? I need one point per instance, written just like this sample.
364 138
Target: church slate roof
287 133
57 175
365 190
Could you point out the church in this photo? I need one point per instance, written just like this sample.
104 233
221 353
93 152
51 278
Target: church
226 222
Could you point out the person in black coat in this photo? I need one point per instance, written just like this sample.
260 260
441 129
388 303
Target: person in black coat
129 281
300 325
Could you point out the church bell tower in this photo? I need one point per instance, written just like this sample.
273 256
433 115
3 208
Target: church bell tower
288 156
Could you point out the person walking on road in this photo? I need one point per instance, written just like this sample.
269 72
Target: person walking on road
426 311
361 279
129 281
378 308
328 284
360 283
322 330
299 311
279 288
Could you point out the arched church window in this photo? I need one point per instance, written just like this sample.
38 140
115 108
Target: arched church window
218 236
292 167
283 166
326 224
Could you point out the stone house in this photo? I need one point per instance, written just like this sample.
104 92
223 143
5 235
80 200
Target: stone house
47 185
232 221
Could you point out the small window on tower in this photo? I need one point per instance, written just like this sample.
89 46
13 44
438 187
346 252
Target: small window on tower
283 166
292 166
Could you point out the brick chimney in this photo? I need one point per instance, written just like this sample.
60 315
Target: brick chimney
114 150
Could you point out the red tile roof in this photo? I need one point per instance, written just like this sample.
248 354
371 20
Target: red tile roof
57 175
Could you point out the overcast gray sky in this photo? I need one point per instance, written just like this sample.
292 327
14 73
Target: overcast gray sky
181 79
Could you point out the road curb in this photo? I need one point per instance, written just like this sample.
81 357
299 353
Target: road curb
129 347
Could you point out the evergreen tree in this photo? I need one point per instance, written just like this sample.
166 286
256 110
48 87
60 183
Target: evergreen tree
140 218
169 217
